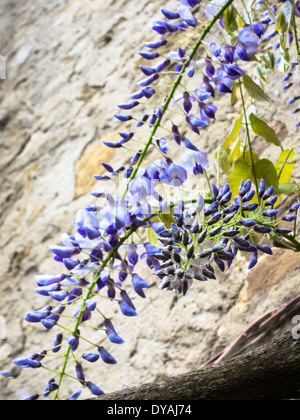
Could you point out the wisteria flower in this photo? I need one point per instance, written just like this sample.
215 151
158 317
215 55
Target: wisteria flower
207 111
194 161
248 44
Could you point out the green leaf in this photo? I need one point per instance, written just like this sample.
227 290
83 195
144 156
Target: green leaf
241 171
221 157
254 90
262 129
266 170
284 168
294 158
241 23
234 132
289 188
269 60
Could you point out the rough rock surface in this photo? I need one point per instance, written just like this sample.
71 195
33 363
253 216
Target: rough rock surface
68 63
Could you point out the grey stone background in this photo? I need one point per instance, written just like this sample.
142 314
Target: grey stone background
69 62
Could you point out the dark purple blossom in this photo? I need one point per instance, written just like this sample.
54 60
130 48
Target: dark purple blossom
139 284
91 357
80 373
187 16
111 332
73 342
75 395
94 389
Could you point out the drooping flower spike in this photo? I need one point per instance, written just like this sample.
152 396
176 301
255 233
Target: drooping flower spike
196 242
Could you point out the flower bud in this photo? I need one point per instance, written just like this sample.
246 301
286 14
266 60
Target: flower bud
106 357
281 231
209 274
200 277
253 261
262 188
262 229
94 389
250 207
268 193
265 249
213 220
206 254
176 257
80 373
247 223
290 218
75 395
91 357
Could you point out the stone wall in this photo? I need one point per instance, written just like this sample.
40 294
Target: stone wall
68 63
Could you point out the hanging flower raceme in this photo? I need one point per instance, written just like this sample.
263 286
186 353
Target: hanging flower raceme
212 236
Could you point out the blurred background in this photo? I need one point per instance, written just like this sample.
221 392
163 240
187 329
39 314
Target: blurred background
68 63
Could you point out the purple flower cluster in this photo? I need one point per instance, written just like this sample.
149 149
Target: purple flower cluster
213 235
99 233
